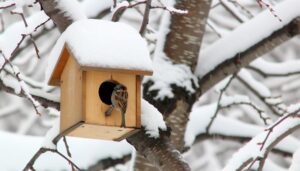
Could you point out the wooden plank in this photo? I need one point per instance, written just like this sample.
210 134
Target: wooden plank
102 132
59 67
84 95
138 100
116 70
94 107
71 95
129 81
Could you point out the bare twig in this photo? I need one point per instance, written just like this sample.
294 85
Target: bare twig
146 17
261 113
263 99
264 74
42 150
21 82
270 8
22 16
67 146
219 103
270 129
7 6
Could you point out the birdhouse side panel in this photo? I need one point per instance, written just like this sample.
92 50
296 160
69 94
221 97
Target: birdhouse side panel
95 108
71 95
138 100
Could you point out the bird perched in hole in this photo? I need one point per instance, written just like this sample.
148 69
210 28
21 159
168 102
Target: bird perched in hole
119 98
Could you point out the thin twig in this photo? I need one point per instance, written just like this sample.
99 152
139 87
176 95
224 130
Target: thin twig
8 6
146 17
23 91
270 129
68 150
218 103
261 113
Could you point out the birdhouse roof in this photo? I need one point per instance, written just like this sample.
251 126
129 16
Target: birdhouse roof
103 45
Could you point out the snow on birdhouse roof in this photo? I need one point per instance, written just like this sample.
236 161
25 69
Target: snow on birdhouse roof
102 44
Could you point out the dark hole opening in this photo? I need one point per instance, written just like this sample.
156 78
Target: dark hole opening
105 91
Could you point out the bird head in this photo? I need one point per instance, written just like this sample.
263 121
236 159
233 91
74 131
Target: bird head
119 87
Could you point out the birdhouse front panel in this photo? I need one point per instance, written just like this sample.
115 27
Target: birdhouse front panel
95 107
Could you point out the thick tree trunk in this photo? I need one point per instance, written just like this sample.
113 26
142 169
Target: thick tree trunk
182 46
160 152
184 40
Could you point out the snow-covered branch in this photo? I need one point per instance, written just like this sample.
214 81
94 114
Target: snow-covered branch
259 147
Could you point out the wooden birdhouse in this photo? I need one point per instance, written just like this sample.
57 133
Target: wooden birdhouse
88 61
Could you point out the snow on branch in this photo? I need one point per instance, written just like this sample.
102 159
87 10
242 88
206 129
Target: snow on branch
17 4
226 127
270 8
211 57
295 166
262 90
258 148
224 85
71 9
272 69
11 40
152 120
275 104
228 101
92 8
201 116
21 87
119 8
167 74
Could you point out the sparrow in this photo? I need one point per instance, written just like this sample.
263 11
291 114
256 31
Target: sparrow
119 99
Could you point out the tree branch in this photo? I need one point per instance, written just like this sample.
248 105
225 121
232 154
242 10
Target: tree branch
231 66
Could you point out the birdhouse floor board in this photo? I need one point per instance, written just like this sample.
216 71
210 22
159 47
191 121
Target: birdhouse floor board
102 132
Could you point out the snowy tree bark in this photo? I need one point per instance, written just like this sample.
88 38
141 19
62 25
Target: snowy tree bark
182 46
57 16
183 42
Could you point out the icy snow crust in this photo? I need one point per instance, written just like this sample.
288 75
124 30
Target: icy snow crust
102 44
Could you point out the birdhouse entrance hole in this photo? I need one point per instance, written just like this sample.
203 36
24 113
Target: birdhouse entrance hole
105 91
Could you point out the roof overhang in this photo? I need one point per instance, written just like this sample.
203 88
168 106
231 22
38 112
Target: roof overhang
63 59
